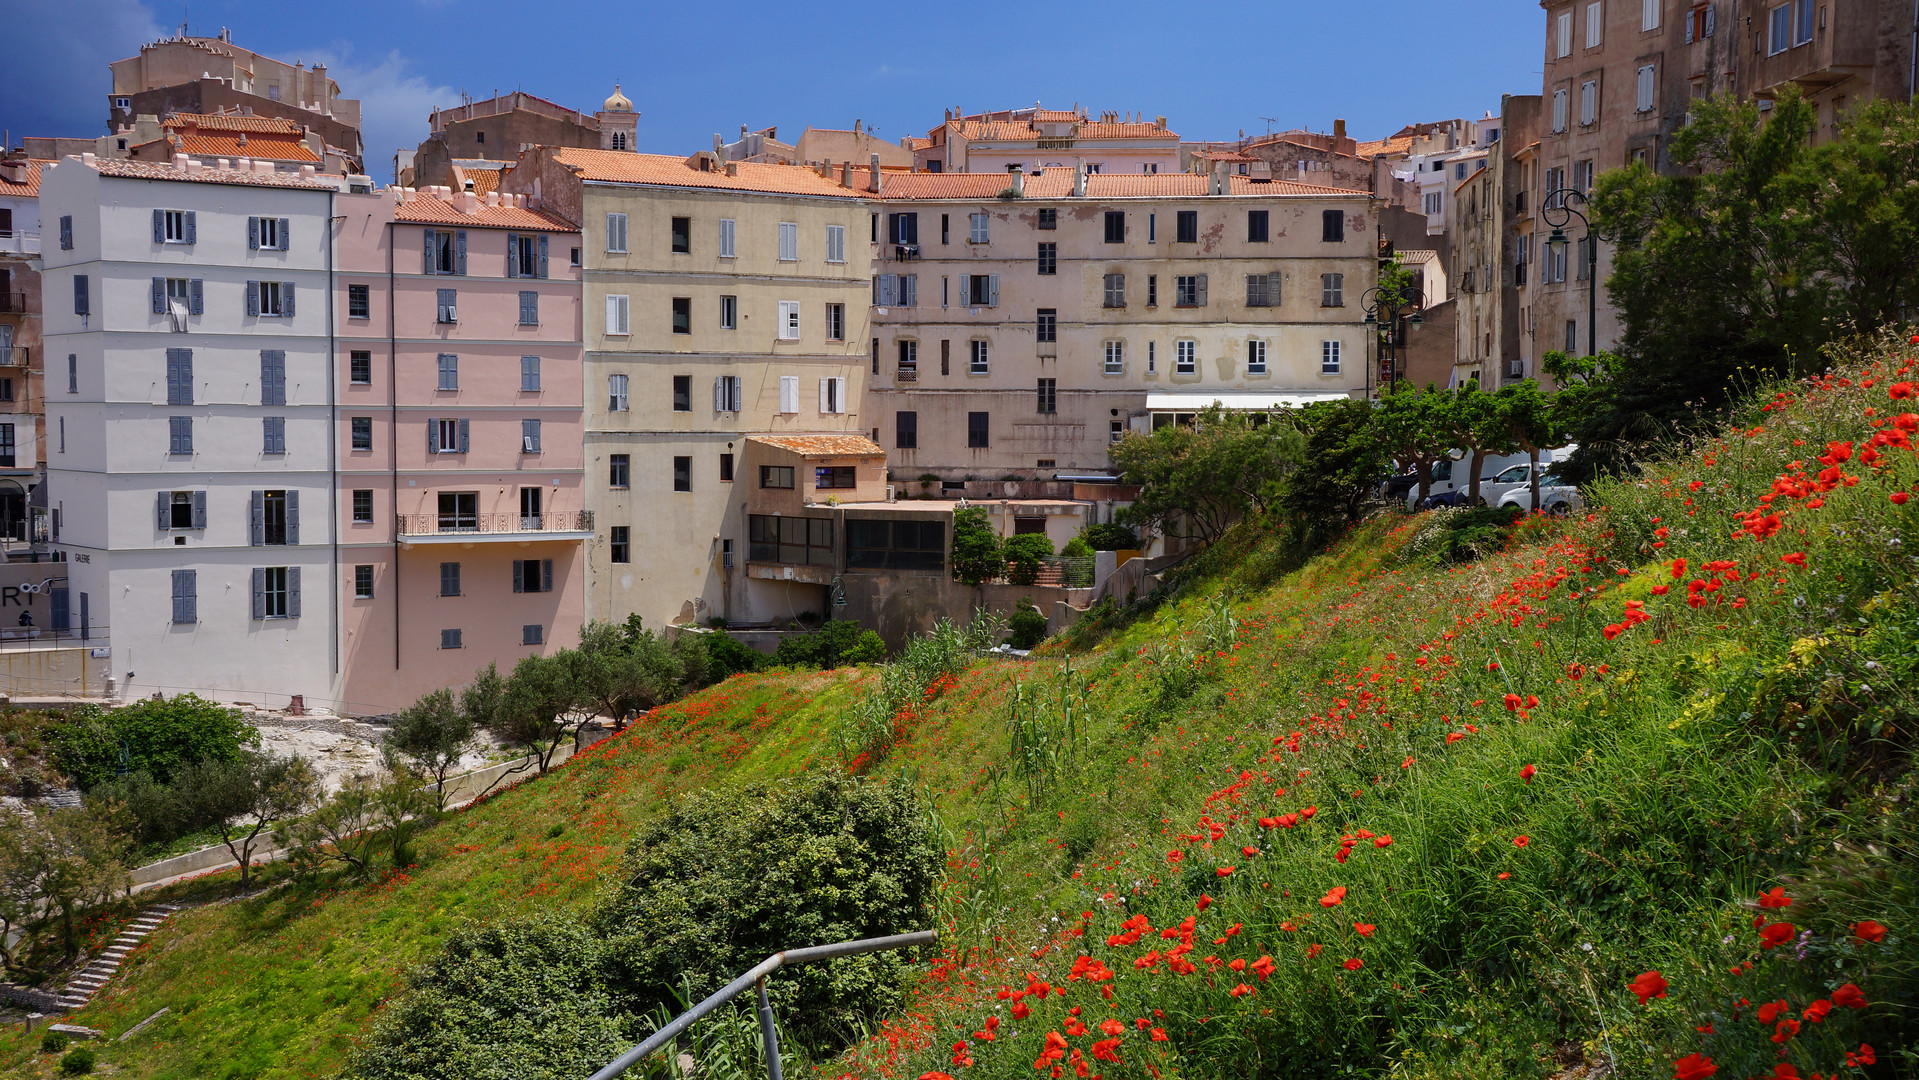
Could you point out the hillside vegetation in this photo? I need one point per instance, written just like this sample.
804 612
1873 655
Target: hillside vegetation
1630 790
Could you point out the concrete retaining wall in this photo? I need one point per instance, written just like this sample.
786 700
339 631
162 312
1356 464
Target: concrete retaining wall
61 670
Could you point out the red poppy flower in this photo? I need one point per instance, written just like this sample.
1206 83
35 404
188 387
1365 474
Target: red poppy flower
1021 1010
1784 1071
1407 764
1526 773
935 1076
1816 1012
1106 1050
1901 390
1364 929
1204 902
1503 875
1866 930
1849 997
1354 964
1648 985
1334 897
1796 558
1309 812
1112 1027
1263 966
1861 1056
1522 841
1785 1032
1453 737
1241 990
1382 841
1224 871
1693 1067
1771 1011
1159 1035
1776 934
1512 702
1175 856
1899 498
1775 898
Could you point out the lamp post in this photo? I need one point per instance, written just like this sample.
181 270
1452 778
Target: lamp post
1559 214
1384 306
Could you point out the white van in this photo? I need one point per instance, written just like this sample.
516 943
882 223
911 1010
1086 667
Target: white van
1452 477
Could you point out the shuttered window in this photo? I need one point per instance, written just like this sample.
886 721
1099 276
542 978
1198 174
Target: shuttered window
836 243
532 575
273 377
186 597
727 234
273 435
789 241
179 376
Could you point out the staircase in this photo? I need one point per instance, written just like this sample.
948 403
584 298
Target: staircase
80 990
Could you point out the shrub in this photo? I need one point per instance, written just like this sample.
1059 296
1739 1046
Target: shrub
1111 536
733 876
1028 625
839 643
976 548
727 656
53 1042
1077 548
159 738
1023 555
78 1062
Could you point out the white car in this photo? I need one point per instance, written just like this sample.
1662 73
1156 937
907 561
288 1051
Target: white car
1513 487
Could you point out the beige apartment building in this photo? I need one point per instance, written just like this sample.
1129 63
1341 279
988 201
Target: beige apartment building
209 75
1024 323
1490 227
724 300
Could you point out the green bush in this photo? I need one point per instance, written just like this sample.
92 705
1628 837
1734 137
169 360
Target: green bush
1467 535
727 656
78 1062
1077 548
1111 536
839 643
1023 555
1028 625
158 738
976 548
733 876
53 1042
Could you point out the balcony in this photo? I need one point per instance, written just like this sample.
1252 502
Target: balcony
908 373
14 357
905 252
13 242
13 303
495 528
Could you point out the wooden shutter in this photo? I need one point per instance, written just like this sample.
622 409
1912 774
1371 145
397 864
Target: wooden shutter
464 426
1689 18
459 252
839 393
257 520
286 299
80 303
826 392
199 509
543 257
992 290
789 393
159 296
259 592
253 234
909 290
196 297
546 575
293 517
427 266
1199 290
1709 11
159 226
193 226
512 255
253 298
165 510
286 229
293 592
719 393
612 315
432 435
185 601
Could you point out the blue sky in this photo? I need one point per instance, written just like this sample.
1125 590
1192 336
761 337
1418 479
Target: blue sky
693 69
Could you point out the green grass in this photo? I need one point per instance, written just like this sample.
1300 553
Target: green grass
1683 764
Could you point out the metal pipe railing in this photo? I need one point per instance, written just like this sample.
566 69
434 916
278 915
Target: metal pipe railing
756 980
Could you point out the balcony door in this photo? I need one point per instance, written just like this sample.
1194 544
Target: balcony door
529 509
459 511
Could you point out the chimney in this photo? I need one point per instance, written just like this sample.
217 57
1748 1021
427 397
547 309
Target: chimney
856 127
1079 179
1159 120
846 173
1339 129
873 174
719 146
1019 184
1220 185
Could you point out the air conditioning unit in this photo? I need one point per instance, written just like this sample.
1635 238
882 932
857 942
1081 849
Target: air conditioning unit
1516 369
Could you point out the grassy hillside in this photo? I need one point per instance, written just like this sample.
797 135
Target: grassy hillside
1386 813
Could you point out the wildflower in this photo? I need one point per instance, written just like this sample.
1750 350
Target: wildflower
1159 1035
1334 897
1522 841
1797 558
1112 1027
1175 856
1407 764
1364 929
1512 702
1775 898
1693 1067
1262 966
1899 391
1776 934
1861 1056
1899 498
1241 990
1021 1010
1648 985
1204 902
1527 772
1866 930
1784 1071
1107 1050
1354 964
1816 1012
935 1076
1503 875
1849 997
1224 871
1382 841
1772 1010
1785 1031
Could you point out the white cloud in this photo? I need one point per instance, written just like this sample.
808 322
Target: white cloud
394 103
55 56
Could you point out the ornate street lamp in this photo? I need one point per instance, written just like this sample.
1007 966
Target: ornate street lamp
1559 214
1385 306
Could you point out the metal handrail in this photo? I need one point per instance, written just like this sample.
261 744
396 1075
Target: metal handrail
756 978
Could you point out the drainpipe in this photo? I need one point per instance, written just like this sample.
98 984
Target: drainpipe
333 439
393 436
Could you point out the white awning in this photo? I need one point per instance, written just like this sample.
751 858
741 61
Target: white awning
1194 402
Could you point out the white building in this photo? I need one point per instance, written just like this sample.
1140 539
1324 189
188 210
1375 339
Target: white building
189 436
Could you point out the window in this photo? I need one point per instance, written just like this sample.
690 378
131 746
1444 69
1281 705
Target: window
1555 180
789 325
270 299
446 252
1647 74
728 393
1049 218
789 241
682 393
363 581
1152 357
66 232
836 243
836 321
1699 23
1572 335
1649 14
682 235
1046 325
1435 202
1780 38
904 228
729 312
906 430
617 310
1116 358
363 506
525 256
1115 290
446 435
183 510
360 367
798 540
619 470
1589 102
1256 230
276 592
727 233
533 634
529 308
359 302
449 370
789 394
173 226
977 232
1048 396
1186 227
1152 290
1583 175
977 430
980 357
1595 23
1559 110
1332 226
1189 290
1332 290
450 639
1048 258
529 436
1185 357
616 234
532 575
179 434
682 314
179 376
1329 358
1255 357
1262 290
1564 32
776 476
839 477
619 544
832 396
362 429
1116 226
895 544
1115 430
73 373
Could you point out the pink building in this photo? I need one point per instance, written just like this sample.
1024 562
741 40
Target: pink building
459 438
1033 139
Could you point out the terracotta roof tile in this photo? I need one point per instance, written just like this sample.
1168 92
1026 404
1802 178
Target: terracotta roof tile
153 170
1399 145
1054 116
252 125
1058 184
29 185
822 445
665 170
1023 130
263 147
484 179
432 210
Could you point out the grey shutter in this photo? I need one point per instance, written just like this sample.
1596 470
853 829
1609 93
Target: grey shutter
273 377
546 575
512 255
259 592
293 518
165 510
463 435
80 304
159 296
159 226
1689 20
432 435
196 297
1709 13
909 290
66 232
286 299
257 520
459 253
293 592
427 266
1200 291
253 234
173 376
542 256
719 393
199 509
285 229
193 227
253 298
179 591
186 606
519 575
992 290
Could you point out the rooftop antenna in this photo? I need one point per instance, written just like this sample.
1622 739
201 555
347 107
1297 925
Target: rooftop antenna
1270 121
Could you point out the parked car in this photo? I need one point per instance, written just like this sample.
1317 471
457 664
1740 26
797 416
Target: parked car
1513 487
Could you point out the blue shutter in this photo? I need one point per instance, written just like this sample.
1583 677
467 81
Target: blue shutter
519 575
159 226
512 255
427 268
199 509
159 296
196 297
543 256
432 435
257 521
253 234
459 253
546 575
463 435
193 226
285 233
286 299
259 592
165 510
293 592
80 304
253 298
192 591
293 518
